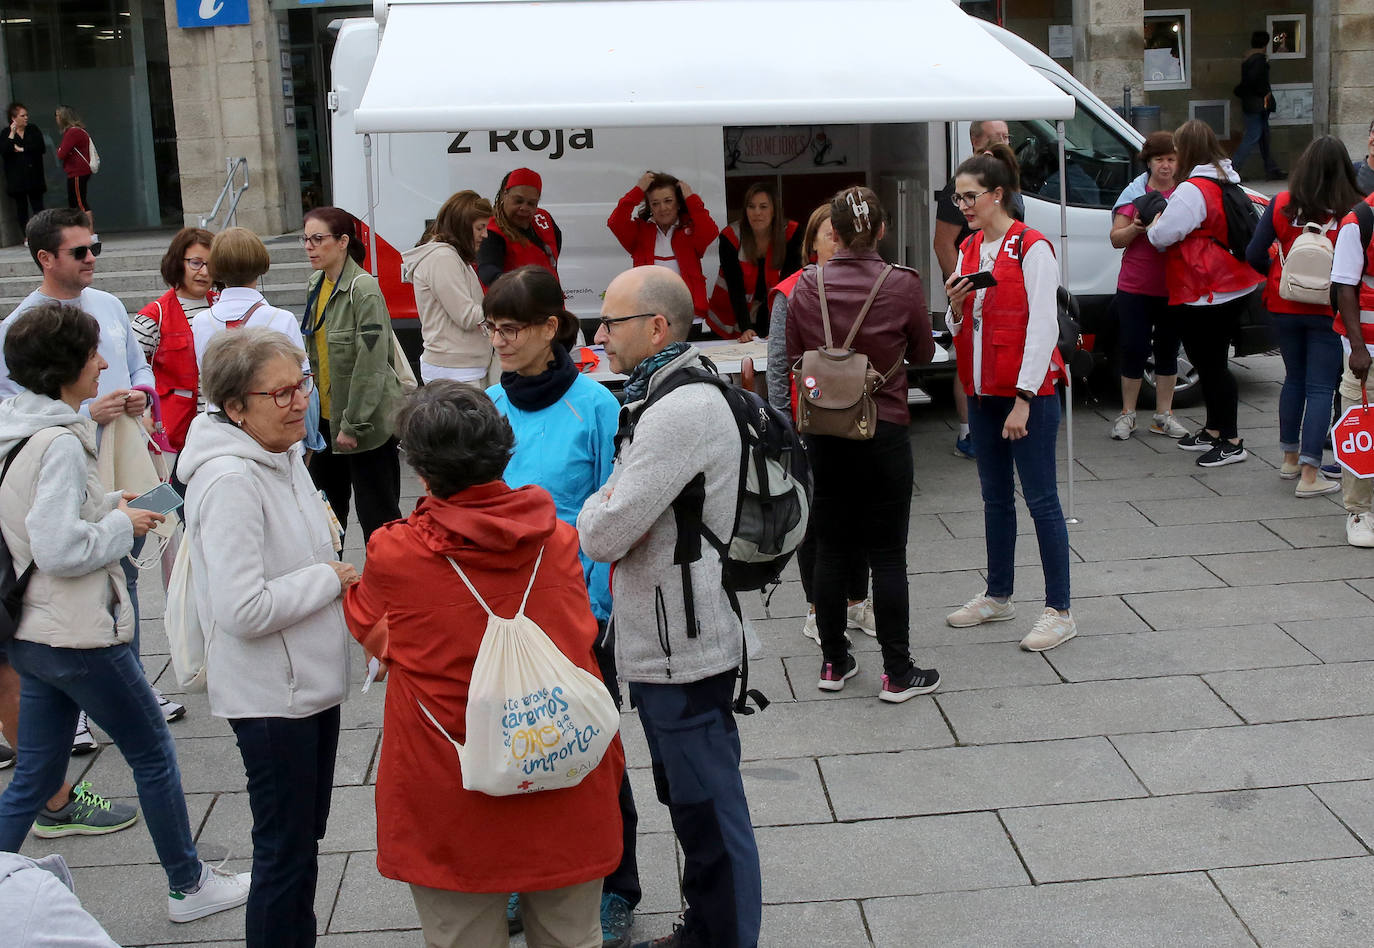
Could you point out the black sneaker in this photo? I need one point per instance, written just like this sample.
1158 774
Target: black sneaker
1201 441
834 676
1223 453
916 681
616 919
87 813
6 757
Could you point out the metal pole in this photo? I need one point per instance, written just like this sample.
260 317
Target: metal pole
1064 279
371 203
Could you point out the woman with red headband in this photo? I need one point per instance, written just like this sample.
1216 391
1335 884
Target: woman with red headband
519 233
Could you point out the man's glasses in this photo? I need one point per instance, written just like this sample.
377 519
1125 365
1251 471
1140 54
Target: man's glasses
195 263
314 240
79 253
286 394
608 321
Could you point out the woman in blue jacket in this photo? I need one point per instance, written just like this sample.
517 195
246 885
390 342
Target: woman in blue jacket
564 426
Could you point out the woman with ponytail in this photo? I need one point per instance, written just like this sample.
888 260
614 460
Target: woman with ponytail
1004 337
862 503
519 233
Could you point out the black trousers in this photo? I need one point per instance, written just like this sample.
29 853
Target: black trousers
290 767
856 585
76 192
371 478
1206 332
26 204
624 881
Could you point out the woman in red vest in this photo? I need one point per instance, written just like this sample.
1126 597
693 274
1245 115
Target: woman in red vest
1203 274
518 233
1321 190
1005 339
673 229
755 254
163 328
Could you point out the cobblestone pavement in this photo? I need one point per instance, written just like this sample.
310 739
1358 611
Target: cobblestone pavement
1196 768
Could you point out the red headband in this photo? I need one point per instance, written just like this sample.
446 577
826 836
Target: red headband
525 177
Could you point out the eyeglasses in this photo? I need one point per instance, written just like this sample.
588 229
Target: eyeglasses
967 199
79 253
286 394
314 240
608 321
508 333
195 263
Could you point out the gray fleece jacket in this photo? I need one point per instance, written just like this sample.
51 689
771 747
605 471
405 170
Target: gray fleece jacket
38 908
629 523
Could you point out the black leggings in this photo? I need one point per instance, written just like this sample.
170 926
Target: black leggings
1145 324
1207 332
76 192
371 478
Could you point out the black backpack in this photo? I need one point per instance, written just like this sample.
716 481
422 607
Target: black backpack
1240 216
11 586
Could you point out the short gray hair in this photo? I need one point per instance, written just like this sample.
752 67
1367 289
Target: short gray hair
663 292
234 358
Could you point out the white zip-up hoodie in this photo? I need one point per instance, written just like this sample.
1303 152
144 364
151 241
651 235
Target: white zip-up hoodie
1186 211
276 642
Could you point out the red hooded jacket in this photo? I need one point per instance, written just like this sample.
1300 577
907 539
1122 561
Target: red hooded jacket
694 236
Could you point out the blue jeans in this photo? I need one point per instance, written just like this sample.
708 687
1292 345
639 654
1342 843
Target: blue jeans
1312 367
131 583
694 746
1033 457
55 685
1256 133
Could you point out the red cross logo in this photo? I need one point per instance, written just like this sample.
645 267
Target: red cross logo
524 785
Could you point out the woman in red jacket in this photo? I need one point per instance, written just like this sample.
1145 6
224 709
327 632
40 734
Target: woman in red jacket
519 233
673 229
411 609
755 254
74 151
1004 338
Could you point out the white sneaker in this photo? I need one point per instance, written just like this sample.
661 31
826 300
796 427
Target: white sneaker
981 609
1050 629
861 618
171 711
1359 530
83 742
219 890
810 630
1166 424
1124 427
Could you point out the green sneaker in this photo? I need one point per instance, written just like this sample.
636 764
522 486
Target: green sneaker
86 814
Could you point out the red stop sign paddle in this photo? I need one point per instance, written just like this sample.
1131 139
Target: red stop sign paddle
1352 439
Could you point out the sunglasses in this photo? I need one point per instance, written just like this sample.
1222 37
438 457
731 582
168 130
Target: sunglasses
79 253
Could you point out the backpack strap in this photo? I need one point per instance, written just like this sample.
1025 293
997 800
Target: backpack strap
533 573
482 602
243 320
863 311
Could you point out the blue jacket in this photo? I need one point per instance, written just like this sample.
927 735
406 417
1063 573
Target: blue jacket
567 449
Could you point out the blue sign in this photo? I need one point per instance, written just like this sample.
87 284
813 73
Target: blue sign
197 13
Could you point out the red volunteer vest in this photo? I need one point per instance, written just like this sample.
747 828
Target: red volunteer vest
174 365
542 251
1199 265
1006 313
1366 291
721 317
1285 232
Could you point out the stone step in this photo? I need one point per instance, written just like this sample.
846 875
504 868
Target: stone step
119 256
150 281
288 296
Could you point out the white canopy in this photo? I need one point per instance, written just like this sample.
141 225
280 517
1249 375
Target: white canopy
448 65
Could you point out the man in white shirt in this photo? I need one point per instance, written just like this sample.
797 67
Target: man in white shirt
1353 280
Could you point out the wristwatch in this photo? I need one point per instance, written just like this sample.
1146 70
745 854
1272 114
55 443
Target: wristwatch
1024 395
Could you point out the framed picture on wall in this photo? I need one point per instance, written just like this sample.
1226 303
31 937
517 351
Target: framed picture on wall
1287 36
1292 104
1215 112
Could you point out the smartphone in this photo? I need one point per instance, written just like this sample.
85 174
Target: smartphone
981 280
161 499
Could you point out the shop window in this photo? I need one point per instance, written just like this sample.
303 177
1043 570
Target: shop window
1287 36
1097 160
1168 49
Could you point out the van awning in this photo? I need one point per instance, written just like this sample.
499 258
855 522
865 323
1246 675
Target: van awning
449 65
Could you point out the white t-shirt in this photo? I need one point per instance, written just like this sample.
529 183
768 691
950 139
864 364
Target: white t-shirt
231 305
1348 265
663 249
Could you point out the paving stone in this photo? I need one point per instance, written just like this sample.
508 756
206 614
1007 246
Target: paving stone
1283 566
132 846
1249 605
1313 531
1157 487
1177 652
1149 912
948 853
780 792
1353 802
352 819
1150 542
1176 834
1097 615
818 924
1257 755
1289 694
956 779
1334 640
1310 903
1117 577
972 553
368 900
1095 516
961 667
1138 464
821 728
1084 709
1200 510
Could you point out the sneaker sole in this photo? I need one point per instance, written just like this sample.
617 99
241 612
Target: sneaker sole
1222 462
968 625
79 829
1328 487
825 684
1285 476
206 910
897 697
6 763
176 715
1046 648
81 750
1362 545
1196 447
1122 438
1163 433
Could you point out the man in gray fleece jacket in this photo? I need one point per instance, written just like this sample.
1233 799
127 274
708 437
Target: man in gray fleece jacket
681 675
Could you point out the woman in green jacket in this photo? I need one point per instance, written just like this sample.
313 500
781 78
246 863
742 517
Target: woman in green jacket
347 333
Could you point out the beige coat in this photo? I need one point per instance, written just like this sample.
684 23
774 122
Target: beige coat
448 296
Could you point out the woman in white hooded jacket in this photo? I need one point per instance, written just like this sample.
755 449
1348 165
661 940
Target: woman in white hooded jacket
267 589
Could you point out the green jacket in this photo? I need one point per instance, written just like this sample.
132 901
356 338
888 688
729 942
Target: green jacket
364 390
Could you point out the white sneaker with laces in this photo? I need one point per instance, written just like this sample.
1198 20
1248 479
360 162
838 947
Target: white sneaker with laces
83 741
218 891
981 609
1359 530
1050 629
810 630
861 618
171 711
1167 425
1124 427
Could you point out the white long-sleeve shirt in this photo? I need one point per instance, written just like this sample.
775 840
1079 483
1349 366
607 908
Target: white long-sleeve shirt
1186 211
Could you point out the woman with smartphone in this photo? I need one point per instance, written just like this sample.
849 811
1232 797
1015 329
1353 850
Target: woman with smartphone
1003 313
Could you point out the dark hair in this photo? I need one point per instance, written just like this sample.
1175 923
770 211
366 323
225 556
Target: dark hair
454 222
49 345
813 228
777 239
1197 144
453 436
530 295
44 230
1156 144
174 260
1259 39
341 224
1322 183
856 216
994 168
14 107
663 179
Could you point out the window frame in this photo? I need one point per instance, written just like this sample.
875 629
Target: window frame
1185 48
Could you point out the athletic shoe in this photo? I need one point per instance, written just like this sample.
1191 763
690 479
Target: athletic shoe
1050 629
1359 530
1222 454
616 919
515 921
1316 488
83 742
6 757
171 711
861 617
678 939
217 891
833 678
86 814
981 609
1290 472
1167 425
1124 427
916 681
963 447
1332 472
813 632
1201 441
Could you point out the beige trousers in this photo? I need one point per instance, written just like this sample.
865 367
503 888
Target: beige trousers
555 918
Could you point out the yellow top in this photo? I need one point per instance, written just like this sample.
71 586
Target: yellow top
321 343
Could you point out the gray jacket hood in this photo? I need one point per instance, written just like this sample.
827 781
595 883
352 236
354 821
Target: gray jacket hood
28 413
214 436
412 258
